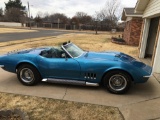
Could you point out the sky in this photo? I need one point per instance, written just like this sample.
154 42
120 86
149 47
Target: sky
68 7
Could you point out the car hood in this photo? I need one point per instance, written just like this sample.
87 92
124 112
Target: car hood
117 56
107 55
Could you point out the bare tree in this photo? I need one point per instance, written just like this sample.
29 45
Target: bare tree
1 12
80 14
83 18
38 20
58 16
46 17
74 20
111 13
1 15
40 14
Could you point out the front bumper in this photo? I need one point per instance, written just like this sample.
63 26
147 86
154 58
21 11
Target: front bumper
148 69
145 78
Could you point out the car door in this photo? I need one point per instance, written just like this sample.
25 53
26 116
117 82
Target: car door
64 68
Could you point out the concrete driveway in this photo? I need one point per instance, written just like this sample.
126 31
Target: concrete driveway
141 102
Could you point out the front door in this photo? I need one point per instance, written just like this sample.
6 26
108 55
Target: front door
59 68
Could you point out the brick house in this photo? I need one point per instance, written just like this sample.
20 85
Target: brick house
133 26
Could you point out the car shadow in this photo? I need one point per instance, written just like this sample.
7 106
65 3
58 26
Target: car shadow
69 86
149 88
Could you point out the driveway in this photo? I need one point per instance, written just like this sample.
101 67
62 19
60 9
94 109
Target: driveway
141 102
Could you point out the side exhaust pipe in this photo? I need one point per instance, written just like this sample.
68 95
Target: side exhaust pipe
70 82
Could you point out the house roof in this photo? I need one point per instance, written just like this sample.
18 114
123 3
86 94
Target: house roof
141 5
129 12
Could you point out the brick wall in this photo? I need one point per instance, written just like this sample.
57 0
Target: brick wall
126 34
132 31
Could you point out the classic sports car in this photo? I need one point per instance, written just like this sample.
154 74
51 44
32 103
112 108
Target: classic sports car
71 65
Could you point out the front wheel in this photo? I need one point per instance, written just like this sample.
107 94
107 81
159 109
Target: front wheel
117 82
28 75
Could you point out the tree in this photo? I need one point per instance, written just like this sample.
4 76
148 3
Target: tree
14 11
74 21
46 16
54 18
14 15
1 15
1 12
40 14
14 4
83 18
38 19
111 13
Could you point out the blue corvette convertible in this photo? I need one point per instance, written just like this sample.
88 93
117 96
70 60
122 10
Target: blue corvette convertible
69 64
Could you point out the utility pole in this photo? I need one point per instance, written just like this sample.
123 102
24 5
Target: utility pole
96 27
29 15
58 22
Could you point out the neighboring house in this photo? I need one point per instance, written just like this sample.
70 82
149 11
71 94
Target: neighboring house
150 36
133 26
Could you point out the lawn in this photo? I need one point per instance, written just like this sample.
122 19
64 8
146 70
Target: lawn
50 109
91 42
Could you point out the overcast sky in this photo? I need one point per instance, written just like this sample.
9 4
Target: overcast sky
68 7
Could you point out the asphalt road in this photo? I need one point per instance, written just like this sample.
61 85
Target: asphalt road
4 37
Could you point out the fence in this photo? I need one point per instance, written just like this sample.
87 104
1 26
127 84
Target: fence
11 24
73 27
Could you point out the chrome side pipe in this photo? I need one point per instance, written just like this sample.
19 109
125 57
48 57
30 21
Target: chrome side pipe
71 82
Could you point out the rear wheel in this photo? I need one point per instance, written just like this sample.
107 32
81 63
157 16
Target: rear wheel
117 82
28 75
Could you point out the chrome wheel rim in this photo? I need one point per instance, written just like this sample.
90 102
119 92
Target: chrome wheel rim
26 75
117 82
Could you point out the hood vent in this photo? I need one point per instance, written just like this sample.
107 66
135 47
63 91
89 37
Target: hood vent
90 76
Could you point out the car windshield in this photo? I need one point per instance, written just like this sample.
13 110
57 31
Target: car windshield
73 50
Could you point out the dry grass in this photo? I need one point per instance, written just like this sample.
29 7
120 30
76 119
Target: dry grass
14 30
50 109
91 42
